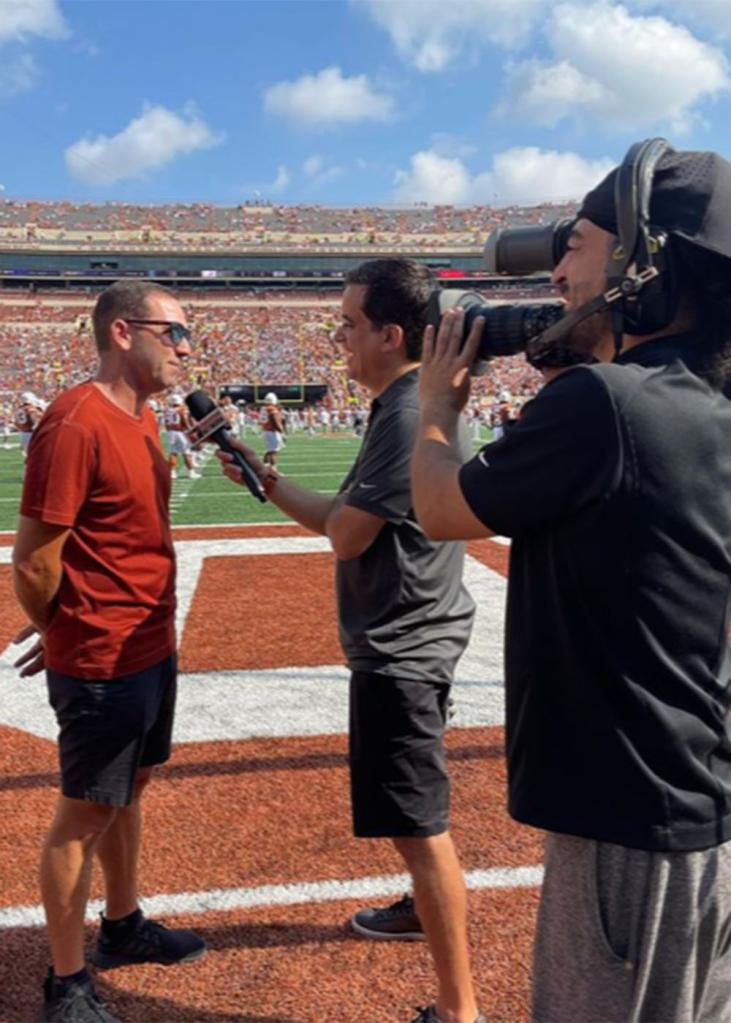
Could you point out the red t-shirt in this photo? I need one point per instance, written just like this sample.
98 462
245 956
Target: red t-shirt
101 471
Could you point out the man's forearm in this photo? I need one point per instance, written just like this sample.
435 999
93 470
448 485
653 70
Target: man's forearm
36 586
435 462
307 507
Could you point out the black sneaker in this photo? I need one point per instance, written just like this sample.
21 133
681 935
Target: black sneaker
146 941
429 1015
75 1003
398 922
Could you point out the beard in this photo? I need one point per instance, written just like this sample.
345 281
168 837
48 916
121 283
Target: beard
590 334
579 346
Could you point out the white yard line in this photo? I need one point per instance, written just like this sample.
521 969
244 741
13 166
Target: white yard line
182 486
297 893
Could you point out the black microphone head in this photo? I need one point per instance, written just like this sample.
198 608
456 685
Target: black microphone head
199 404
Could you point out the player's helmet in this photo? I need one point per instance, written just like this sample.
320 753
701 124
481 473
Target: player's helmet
271 398
28 398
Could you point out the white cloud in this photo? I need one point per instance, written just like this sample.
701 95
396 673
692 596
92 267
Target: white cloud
714 15
327 99
547 93
22 18
281 180
313 165
320 171
434 179
431 34
18 75
523 174
147 143
619 70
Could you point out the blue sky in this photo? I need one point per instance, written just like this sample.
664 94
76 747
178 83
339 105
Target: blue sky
350 101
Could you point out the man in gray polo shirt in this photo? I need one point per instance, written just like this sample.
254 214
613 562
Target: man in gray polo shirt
405 619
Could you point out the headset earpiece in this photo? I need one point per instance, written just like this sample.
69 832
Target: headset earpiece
648 301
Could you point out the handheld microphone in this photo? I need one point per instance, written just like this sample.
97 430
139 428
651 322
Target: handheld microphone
211 424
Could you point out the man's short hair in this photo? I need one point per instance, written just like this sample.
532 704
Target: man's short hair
397 291
126 300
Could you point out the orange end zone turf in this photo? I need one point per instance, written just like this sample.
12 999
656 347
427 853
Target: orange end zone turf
249 822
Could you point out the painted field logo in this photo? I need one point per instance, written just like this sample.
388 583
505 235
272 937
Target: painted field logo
259 653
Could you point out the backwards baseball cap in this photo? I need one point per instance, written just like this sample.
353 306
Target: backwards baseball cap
28 398
690 198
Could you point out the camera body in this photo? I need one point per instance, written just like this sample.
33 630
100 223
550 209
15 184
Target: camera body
509 326
641 296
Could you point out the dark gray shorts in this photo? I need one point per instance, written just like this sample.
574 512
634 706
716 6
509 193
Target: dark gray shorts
398 775
632 936
108 729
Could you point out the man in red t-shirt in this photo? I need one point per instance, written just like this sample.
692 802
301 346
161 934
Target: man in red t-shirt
94 570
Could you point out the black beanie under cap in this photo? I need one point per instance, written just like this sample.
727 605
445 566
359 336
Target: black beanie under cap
691 198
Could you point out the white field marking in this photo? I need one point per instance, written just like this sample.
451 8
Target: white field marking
235 525
288 701
228 900
290 465
182 486
238 493
229 488
235 493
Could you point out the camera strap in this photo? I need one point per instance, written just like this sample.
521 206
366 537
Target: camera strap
549 349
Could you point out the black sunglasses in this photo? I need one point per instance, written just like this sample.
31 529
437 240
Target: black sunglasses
176 332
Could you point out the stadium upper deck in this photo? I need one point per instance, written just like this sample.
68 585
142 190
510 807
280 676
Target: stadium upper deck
54 226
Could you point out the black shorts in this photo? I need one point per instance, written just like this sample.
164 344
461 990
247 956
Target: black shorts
398 776
110 728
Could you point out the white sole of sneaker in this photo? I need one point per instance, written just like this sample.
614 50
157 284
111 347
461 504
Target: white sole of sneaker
381 936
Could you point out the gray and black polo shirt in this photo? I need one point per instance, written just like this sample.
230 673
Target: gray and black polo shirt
403 608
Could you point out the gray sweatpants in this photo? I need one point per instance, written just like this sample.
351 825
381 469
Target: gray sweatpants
629 936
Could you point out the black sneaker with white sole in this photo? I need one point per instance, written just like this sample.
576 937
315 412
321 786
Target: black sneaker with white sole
429 1015
77 1002
145 941
397 922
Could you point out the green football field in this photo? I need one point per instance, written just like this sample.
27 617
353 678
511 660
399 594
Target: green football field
319 463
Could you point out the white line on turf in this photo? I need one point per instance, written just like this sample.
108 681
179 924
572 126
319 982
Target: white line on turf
182 487
241 703
230 899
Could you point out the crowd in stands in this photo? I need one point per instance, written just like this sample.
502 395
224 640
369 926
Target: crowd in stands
46 346
201 226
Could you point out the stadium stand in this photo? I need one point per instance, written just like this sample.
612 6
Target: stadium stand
266 330
222 228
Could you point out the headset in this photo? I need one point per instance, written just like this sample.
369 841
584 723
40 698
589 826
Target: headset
640 267
641 295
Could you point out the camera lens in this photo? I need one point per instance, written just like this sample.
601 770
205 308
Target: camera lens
509 326
526 250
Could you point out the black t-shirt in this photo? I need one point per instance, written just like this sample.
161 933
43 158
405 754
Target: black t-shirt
403 608
615 486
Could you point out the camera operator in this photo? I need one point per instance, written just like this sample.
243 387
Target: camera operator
615 487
